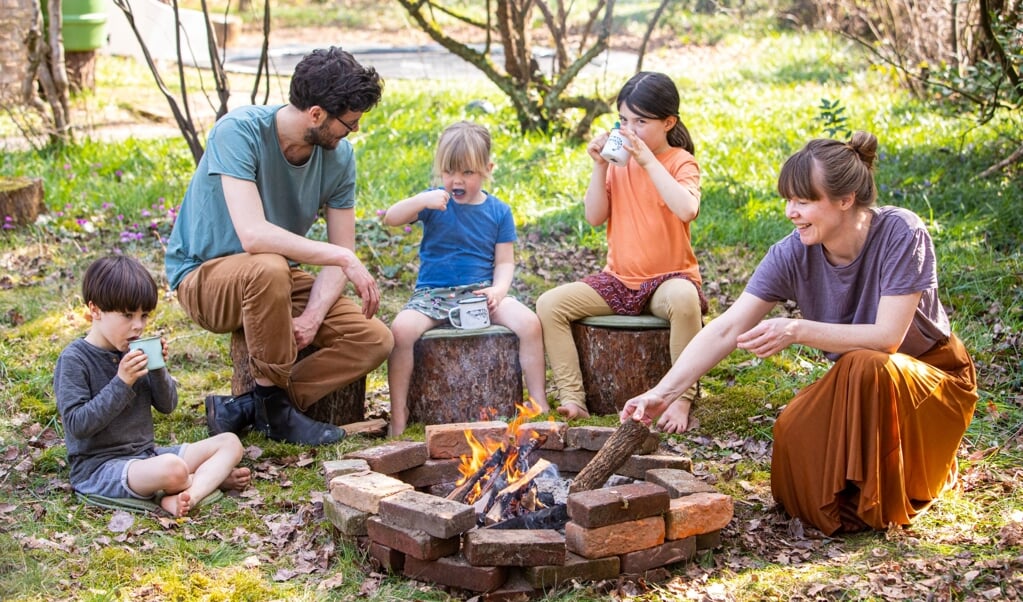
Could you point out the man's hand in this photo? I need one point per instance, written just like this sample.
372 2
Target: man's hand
304 329
365 285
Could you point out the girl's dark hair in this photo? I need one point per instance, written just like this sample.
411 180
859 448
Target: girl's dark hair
119 283
832 168
654 96
331 78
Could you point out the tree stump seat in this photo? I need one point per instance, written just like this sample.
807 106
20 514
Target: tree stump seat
345 406
465 375
620 357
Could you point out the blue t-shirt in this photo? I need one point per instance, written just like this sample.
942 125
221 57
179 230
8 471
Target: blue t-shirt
458 243
243 144
897 259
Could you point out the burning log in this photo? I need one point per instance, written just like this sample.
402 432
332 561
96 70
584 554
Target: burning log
554 517
622 443
493 463
497 506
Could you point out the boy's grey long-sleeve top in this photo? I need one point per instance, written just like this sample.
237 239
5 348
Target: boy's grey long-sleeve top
103 417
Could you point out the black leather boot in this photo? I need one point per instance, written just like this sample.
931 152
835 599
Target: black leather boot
278 419
229 414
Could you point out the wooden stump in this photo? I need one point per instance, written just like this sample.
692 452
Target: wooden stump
21 200
463 375
620 357
344 406
81 70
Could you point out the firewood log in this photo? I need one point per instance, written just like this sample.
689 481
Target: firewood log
622 443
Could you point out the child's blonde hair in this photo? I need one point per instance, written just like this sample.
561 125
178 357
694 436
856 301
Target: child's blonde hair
463 146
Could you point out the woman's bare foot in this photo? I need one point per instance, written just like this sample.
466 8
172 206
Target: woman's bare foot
238 480
572 411
178 504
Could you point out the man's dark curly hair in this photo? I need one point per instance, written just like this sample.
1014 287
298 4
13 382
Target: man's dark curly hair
331 78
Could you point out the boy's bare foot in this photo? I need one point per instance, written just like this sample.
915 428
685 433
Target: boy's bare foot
238 480
572 411
179 504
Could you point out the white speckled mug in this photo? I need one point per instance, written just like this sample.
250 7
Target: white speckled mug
470 314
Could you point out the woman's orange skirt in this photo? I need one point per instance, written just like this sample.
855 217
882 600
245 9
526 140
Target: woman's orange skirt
875 438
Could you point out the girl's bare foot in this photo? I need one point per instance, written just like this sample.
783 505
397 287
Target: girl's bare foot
572 411
179 504
676 418
238 480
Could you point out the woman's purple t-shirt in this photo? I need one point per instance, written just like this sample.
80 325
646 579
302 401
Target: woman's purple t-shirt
897 259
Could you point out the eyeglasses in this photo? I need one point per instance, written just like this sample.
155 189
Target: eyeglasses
351 128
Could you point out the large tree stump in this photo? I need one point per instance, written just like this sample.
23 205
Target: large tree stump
615 451
620 357
344 406
21 201
465 375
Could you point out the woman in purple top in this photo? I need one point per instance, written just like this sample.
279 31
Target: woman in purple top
874 441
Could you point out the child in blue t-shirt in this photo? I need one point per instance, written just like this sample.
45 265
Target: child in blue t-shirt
106 394
467 250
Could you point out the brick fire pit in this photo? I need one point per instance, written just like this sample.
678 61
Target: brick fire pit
390 500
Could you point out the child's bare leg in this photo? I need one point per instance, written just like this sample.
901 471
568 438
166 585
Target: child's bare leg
238 480
407 327
212 461
521 320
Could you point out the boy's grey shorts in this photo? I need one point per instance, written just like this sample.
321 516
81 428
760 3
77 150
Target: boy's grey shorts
111 479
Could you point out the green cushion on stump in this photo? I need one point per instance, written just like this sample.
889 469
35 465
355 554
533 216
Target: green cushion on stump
642 322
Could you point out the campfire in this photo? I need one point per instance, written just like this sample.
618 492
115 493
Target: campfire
522 507
500 480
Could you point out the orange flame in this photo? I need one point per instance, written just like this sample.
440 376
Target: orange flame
481 451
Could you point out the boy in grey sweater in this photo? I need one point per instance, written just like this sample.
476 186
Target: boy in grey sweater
105 394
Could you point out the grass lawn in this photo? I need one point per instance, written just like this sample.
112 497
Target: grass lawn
750 101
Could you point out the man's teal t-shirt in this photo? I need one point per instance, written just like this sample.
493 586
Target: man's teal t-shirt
243 144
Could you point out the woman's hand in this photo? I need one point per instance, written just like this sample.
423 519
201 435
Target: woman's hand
768 337
644 408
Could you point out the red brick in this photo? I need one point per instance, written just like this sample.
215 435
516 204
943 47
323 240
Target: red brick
619 504
392 457
636 466
364 490
594 437
554 431
570 459
669 552
454 571
413 542
698 513
350 521
708 541
448 440
389 559
679 483
575 568
432 472
515 589
613 540
514 547
336 468
437 516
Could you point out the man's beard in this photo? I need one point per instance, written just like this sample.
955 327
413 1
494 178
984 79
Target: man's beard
321 137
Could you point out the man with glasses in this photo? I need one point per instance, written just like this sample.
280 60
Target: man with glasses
240 239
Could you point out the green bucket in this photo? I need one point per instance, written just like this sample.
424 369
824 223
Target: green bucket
85 24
